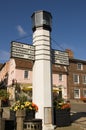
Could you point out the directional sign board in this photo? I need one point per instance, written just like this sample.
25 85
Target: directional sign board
21 50
26 51
60 57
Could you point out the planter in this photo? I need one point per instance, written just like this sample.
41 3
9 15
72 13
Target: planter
62 117
30 114
5 103
9 124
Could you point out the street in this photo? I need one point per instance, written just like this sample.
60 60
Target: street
78 113
78 106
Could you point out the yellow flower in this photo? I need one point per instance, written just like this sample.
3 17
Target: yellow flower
22 106
27 104
16 108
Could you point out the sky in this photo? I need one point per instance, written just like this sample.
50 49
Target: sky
68 24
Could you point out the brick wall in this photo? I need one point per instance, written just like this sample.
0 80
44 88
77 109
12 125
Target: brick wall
72 69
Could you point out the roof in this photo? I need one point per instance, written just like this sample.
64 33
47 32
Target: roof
77 60
23 63
28 64
59 69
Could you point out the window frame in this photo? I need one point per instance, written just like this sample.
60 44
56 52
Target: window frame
60 77
79 66
77 97
83 93
26 74
76 81
84 79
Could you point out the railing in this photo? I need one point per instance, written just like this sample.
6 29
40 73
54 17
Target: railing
35 124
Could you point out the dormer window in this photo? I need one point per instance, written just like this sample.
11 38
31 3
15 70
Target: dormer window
80 66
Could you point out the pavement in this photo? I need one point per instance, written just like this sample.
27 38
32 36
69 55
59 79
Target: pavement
70 128
76 123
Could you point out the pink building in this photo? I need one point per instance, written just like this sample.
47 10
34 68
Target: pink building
20 71
59 76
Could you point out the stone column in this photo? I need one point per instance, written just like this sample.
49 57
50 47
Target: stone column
20 115
42 70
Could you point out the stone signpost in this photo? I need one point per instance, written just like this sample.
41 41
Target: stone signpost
42 75
43 57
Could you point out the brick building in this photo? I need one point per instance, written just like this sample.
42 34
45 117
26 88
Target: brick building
76 86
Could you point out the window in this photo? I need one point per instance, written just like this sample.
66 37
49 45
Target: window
79 66
26 74
76 78
77 93
84 93
84 79
60 77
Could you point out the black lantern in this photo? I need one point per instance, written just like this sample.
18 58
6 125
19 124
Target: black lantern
41 19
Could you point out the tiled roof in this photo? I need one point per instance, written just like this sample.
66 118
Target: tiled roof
59 69
23 63
77 60
27 64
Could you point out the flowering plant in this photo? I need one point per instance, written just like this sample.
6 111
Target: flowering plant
61 104
18 105
4 95
83 99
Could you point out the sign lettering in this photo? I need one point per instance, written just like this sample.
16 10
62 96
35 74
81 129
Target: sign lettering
21 50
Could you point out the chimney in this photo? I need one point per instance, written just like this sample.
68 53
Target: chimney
70 53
